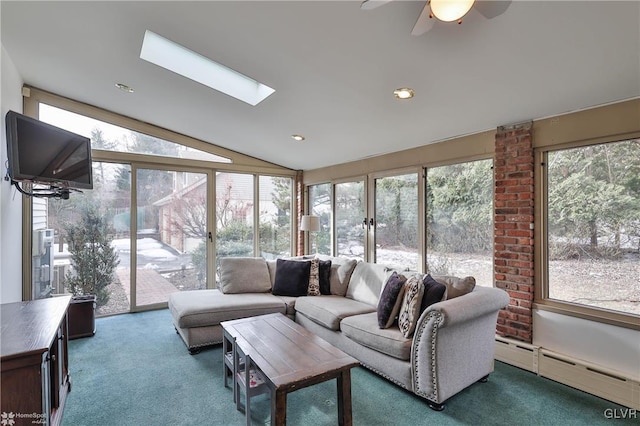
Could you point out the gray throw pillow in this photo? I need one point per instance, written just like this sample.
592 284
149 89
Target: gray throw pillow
340 276
244 275
456 287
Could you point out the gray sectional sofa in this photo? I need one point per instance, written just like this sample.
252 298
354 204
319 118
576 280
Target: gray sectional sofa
451 348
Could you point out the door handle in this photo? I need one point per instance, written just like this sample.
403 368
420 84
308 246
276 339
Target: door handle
210 235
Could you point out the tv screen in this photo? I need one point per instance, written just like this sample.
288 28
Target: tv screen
41 153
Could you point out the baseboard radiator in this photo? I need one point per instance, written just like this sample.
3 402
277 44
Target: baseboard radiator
594 379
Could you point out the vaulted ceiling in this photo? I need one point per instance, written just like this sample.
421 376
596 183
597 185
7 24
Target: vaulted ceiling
334 68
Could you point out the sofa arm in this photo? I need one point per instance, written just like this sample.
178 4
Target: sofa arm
454 342
481 301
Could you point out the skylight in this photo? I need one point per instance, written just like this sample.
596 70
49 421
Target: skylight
174 57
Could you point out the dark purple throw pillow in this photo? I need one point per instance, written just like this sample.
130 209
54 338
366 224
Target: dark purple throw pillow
433 292
325 277
387 306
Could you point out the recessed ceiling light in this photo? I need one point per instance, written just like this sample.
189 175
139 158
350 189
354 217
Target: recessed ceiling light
403 93
174 57
124 87
298 138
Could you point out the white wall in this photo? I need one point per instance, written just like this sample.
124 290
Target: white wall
612 347
10 200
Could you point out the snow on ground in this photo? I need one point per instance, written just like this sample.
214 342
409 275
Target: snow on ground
147 247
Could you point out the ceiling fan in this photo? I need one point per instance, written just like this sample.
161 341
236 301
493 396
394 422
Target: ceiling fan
447 11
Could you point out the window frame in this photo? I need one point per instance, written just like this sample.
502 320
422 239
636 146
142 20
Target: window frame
240 163
541 298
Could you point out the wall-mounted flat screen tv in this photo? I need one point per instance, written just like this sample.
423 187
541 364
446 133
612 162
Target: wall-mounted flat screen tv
41 153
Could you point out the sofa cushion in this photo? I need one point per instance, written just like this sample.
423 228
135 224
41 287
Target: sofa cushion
328 311
290 304
202 308
364 330
366 282
390 300
244 275
433 292
410 309
456 287
292 278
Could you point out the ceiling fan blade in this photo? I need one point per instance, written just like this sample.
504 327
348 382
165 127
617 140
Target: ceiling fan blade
372 4
490 8
424 22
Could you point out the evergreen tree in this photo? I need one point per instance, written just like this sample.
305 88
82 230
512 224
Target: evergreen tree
93 258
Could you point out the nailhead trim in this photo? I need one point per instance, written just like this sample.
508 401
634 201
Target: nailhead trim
437 319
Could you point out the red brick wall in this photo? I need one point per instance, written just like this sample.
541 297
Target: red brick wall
513 221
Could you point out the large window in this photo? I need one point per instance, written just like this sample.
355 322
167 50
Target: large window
396 221
71 236
350 214
459 209
593 225
275 216
234 214
163 190
320 205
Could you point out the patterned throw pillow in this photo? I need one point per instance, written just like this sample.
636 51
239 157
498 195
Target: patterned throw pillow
410 309
314 279
391 300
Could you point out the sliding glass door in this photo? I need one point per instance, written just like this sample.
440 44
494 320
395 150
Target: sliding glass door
171 235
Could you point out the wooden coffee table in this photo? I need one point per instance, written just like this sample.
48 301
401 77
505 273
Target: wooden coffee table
291 358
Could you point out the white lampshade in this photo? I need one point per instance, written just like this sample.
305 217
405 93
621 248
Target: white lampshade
450 10
310 223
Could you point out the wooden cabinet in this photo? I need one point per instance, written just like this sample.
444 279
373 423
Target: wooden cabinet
34 364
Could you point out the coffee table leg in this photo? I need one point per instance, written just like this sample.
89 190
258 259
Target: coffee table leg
344 398
279 408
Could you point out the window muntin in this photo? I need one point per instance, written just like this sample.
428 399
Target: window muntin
396 221
593 225
459 220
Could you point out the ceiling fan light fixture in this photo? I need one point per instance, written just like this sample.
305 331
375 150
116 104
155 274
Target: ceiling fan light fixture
403 93
450 10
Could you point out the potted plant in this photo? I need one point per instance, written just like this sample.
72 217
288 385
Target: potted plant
93 262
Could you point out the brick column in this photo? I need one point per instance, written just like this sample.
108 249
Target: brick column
513 227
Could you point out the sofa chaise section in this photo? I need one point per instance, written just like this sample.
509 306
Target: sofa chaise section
197 314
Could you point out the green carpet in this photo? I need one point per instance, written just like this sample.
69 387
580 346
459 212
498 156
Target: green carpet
137 371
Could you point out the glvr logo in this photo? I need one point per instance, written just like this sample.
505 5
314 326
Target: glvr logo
620 413
7 419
